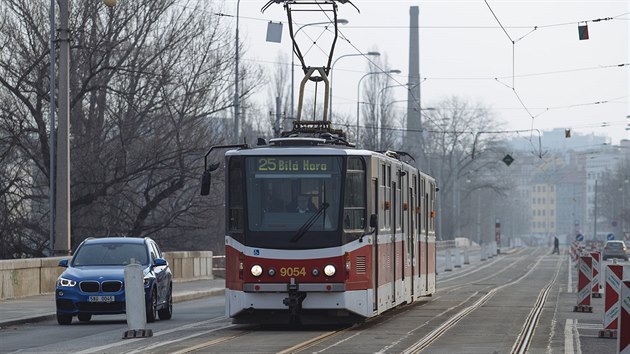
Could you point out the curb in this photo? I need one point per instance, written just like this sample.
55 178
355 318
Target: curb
27 319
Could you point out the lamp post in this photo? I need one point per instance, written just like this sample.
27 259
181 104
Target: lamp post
394 71
381 111
332 71
341 21
53 108
237 102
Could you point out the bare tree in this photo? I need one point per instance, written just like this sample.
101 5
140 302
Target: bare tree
378 124
151 85
454 130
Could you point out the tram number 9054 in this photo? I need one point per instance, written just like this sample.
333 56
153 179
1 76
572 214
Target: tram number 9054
292 272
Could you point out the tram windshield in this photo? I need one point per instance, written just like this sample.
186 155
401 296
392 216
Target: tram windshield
285 193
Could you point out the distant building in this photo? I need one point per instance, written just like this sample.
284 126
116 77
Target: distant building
543 209
560 180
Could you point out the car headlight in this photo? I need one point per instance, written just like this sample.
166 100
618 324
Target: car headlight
63 282
330 270
256 270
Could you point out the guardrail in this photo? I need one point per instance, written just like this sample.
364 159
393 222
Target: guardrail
36 276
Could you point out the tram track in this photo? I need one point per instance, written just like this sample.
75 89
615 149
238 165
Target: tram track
227 335
526 334
444 327
525 337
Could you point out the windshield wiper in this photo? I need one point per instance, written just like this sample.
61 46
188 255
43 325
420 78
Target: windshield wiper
309 222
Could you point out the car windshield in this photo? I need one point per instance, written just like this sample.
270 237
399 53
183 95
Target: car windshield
99 254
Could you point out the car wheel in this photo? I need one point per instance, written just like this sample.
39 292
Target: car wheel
64 319
167 312
152 307
84 317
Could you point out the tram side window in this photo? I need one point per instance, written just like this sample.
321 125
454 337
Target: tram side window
432 207
385 198
354 198
422 222
235 196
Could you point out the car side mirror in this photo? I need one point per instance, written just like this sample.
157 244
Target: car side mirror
205 183
160 262
63 263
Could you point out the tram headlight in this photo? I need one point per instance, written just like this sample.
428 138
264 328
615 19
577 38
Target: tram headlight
271 272
315 272
330 270
256 270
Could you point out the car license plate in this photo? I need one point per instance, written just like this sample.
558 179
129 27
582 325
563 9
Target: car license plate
108 298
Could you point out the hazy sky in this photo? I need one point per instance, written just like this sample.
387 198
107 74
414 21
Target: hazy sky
522 59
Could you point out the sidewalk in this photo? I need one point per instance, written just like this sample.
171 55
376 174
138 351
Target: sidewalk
42 307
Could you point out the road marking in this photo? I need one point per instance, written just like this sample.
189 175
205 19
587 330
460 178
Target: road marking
568 336
571 337
156 334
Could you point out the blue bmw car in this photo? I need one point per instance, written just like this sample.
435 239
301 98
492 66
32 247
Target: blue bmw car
93 283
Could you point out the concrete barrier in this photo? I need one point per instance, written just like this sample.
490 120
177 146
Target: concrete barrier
36 276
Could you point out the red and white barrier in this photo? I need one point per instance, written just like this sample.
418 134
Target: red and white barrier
596 270
585 273
623 340
574 251
614 274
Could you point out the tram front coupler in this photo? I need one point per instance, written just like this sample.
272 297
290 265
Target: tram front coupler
294 300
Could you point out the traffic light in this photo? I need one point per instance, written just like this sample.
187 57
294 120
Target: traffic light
583 31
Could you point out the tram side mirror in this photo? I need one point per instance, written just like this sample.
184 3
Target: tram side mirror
205 183
373 221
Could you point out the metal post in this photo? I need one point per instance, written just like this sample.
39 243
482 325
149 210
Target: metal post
51 141
276 127
62 200
237 103
595 215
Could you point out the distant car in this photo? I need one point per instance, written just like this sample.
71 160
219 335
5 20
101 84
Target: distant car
615 249
93 283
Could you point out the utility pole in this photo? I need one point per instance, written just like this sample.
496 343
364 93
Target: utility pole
62 202
237 104
414 108
52 141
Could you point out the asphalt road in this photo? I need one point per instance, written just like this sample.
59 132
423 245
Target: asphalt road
479 308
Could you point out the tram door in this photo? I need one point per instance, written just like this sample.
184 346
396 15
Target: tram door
375 264
425 215
411 232
394 210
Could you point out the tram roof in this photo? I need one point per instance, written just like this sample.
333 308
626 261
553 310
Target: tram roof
307 146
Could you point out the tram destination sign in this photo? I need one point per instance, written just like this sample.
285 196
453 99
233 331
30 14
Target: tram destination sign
292 164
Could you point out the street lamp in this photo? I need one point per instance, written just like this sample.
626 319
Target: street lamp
341 21
381 111
332 71
394 71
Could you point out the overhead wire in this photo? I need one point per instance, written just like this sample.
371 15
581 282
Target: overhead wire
343 36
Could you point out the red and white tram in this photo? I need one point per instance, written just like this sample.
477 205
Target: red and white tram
318 231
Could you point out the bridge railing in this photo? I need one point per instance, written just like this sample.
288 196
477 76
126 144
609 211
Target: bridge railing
36 276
